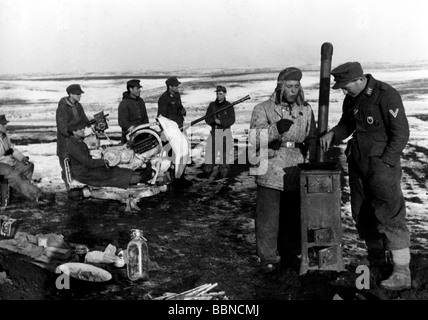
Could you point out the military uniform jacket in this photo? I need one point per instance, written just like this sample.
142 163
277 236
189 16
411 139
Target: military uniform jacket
227 117
378 122
169 105
282 171
131 112
64 116
93 171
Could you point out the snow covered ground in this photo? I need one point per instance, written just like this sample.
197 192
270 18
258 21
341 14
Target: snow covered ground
31 103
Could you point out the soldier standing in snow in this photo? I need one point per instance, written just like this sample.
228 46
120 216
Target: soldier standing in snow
170 106
220 140
373 113
290 126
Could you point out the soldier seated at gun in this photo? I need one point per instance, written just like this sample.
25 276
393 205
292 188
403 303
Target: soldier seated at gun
96 172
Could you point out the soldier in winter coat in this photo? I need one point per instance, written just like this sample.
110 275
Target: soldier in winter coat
69 110
289 124
96 172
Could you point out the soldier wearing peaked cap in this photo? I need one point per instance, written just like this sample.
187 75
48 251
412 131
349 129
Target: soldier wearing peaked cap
288 123
169 103
220 140
373 113
170 106
69 110
132 110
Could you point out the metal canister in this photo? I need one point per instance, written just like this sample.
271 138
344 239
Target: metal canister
8 228
81 250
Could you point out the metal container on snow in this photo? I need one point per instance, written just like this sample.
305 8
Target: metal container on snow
321 228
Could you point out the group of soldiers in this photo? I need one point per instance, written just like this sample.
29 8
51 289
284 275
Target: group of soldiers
132 112
372 113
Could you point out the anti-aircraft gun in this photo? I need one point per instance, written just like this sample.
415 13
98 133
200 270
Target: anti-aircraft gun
162 143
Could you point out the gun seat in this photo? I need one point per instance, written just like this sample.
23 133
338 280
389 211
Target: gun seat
130 196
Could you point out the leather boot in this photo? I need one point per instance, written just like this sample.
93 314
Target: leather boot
376 253
400 278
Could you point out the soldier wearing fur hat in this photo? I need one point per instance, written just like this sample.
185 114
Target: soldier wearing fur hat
15 167
69 110
132 110
373 113
289 125
96 172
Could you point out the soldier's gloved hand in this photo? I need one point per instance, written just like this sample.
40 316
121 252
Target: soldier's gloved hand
8 152
182 111
275 145
284 125
26 160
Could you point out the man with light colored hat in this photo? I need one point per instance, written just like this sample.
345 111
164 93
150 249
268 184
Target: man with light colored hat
220 139
373 113
132 110
288 123
15 167
69 109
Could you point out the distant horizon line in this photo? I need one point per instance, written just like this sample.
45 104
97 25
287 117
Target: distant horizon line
181 73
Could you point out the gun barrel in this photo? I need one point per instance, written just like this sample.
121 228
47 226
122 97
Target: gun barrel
148 143
247 97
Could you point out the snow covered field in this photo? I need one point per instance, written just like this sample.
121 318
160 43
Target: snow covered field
31 102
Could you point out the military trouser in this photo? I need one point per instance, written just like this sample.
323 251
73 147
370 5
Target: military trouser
277 223
377 202
221 143
24 169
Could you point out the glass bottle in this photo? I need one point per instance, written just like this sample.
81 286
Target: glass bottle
138 257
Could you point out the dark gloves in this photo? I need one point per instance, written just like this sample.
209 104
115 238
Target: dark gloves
284 125
8 152
182 111
275 144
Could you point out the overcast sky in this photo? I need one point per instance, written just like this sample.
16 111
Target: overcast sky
68 36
